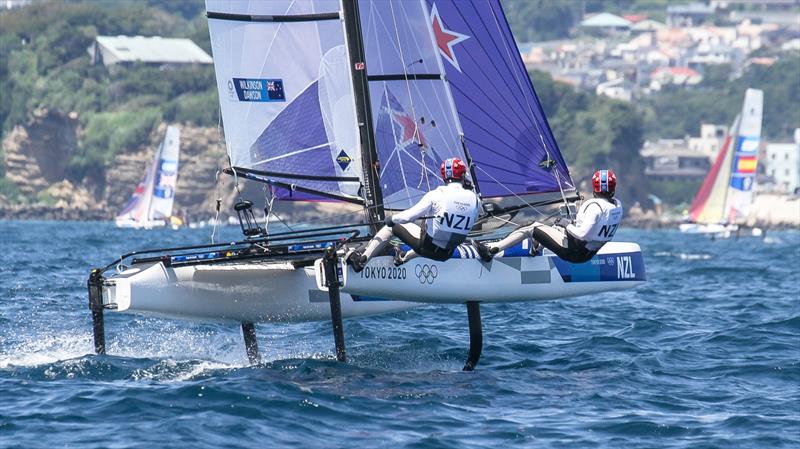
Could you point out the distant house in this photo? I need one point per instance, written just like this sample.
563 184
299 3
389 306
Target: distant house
161 51
606 22
683 76
668 159
688 14
782 164
618 89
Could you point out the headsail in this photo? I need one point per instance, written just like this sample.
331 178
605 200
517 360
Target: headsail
153 197
708 206
286 95
727 190
745 158
166 175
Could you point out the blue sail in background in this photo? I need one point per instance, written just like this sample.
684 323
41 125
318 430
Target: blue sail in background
502 119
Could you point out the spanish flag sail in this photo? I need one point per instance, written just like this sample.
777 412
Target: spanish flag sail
726 193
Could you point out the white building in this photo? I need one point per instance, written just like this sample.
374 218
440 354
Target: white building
110 50
618 89
782 164
710 140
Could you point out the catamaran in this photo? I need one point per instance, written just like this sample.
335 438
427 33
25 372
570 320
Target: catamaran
723 202
150 205
357 102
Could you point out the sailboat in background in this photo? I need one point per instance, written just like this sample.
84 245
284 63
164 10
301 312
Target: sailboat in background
150 205
357 101
723 202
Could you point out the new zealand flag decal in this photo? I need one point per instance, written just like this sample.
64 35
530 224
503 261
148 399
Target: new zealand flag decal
248 89
343 160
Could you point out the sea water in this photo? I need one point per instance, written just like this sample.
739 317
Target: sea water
706 354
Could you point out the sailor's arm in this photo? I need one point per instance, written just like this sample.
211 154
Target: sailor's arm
420 209
584 221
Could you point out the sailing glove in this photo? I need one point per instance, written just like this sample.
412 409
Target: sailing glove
388 221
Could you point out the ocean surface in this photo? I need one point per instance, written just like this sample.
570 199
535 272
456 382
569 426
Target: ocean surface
705 355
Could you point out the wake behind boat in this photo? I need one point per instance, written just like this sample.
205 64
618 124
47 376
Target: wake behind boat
358 102
150 205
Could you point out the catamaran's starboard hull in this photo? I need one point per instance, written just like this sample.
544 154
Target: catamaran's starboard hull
514 277
246 291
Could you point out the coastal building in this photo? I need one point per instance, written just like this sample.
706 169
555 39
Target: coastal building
668 159
683 76
782 164
710 140
160 51
618 89
606 23
689 14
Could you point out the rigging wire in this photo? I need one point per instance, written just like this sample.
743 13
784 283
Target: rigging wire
417 134
534 208
216 177
513 61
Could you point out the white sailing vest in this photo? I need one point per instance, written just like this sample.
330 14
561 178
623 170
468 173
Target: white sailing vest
597 222
455 210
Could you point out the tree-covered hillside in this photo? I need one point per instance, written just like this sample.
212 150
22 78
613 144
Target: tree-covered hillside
676 112
44 64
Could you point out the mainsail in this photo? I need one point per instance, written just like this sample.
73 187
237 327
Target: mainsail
726 192
361 100
153 197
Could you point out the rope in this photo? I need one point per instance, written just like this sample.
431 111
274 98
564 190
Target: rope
511 191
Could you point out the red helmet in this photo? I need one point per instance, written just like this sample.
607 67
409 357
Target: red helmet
453 168
604 181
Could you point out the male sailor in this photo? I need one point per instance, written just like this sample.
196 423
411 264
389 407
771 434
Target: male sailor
595 224
450 211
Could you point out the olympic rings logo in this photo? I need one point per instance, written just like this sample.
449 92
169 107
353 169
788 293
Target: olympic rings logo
426 273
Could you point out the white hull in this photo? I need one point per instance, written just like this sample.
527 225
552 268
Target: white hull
255 292
133 224
617 266
277 291
719 230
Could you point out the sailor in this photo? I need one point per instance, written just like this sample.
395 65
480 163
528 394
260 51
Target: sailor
450 211
595 224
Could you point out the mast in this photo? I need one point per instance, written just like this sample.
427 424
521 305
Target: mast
369 155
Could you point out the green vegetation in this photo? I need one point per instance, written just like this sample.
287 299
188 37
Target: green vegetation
595 132
677 192
675 112
44 64
9 190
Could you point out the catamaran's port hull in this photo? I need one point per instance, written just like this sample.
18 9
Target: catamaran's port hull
235 292
279 292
